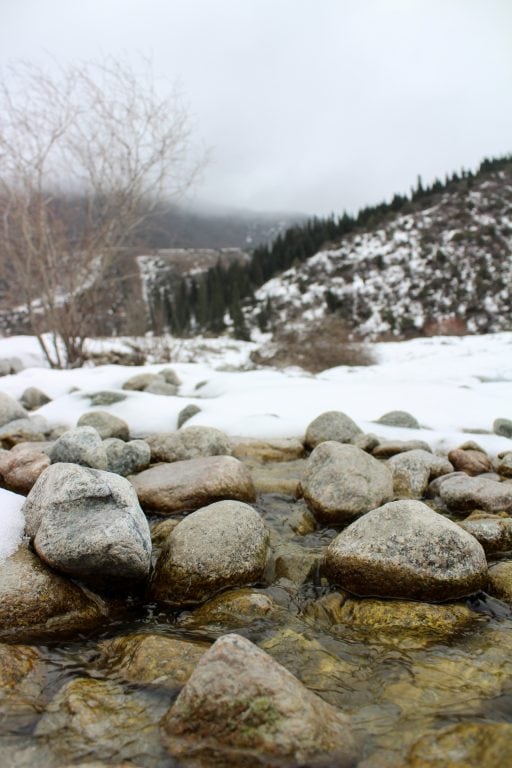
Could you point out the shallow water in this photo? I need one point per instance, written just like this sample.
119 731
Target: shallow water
398 683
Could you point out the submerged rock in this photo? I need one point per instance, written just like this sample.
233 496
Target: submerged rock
188 485
230 610
88 524
81 445
406 550
331 425
36 602
239 703
222 545
341 482
152 658
464 745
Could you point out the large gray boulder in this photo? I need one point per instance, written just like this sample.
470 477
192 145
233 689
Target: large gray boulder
239 703
461 493
127 458
222 545
105 424
10 409
188 485
189 443
331 425
88 524
404 549
341 482
81 445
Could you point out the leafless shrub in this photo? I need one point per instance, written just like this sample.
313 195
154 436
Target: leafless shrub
326 343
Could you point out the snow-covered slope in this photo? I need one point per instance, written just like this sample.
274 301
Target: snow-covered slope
447 268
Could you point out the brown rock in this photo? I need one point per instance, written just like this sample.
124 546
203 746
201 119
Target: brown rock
188 485
494 532
470 461
500 580
21 466
464 745
278 449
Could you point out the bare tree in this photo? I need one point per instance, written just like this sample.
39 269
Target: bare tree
86 155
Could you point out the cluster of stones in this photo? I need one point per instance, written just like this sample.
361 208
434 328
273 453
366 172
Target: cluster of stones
91 489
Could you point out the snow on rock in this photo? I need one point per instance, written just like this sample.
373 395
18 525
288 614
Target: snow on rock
12 523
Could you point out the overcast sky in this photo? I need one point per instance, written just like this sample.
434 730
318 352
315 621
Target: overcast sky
307 105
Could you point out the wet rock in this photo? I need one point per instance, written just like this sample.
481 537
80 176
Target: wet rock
239 703
331 425
232 610
279 449
161 530
464 745
36 602
502 427
412 471
397 617
188 485
170 376
387 448
160 387
222 545
504 465
493 532
105 424
341 482
279 477
151 658
140 381
399 419
81 445
32 429
189 443
127 458
186 413
406 550
10 409
96 719
500 580
470 461
88 524
21 686
33 398
461 493
21 466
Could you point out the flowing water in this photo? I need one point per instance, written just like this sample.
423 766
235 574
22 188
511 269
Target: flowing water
399 676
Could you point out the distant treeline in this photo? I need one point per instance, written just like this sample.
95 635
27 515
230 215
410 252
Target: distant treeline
201 303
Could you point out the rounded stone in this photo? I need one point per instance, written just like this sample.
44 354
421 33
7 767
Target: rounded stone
502 427
462 493
500 580
105 424
186 413
222 545
81 445
127 458
412 471
21 466
504 465
88 524
399 419
493 532
161 387
170 376
239 703
341 482
405 550
10 409
33 398
189 443
470 461
188 485
331 425
140 381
